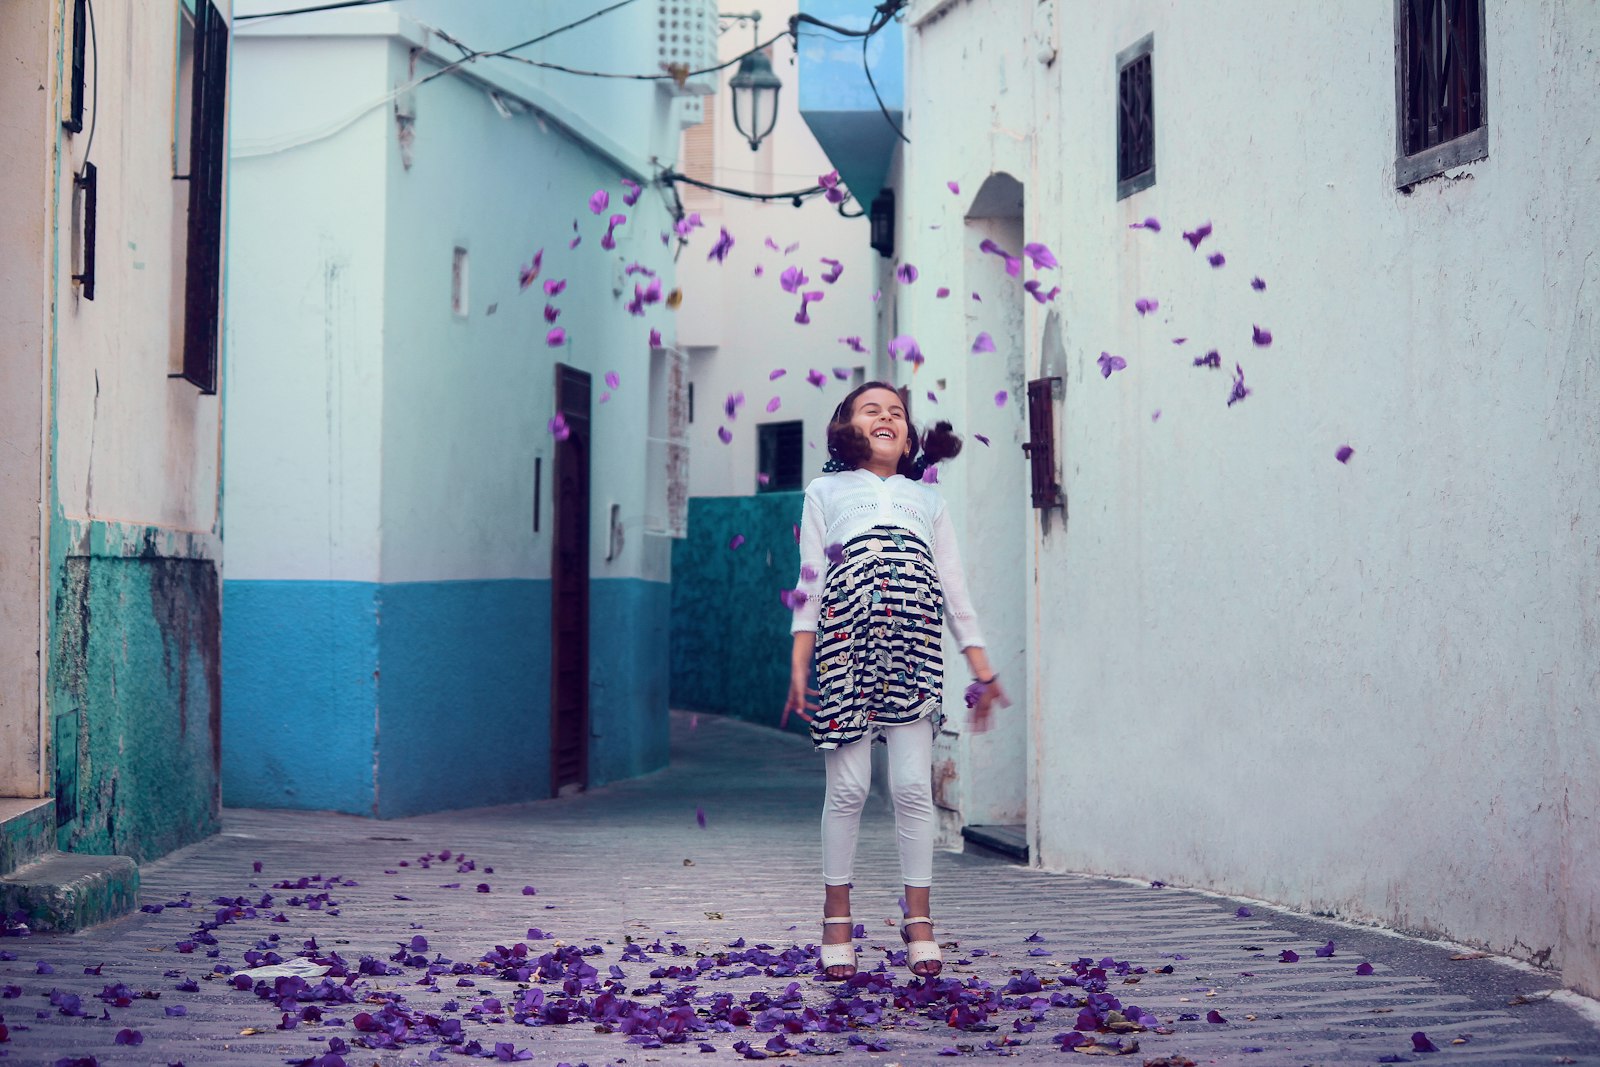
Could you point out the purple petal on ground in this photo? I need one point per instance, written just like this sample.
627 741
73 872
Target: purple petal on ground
700 817
612 380
599 201
1198 234
816 378
1260 336
1216 259
1363 969
1419 1043
725 435
1215 1016
1257 284
773 405
655 338
941 292
982 440
554 286
983 343
556 337
125 1036
1325 950
1288 955
483 887
1109 364
1000 398
176 1011
954 187
1243 913
834 552
905 274
1043 258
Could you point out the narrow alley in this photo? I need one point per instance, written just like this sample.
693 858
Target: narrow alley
652 938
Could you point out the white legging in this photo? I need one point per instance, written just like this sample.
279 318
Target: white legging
911 787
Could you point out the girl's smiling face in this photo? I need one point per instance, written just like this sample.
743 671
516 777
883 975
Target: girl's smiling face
880 415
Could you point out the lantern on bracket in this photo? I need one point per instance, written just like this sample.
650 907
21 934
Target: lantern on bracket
755 88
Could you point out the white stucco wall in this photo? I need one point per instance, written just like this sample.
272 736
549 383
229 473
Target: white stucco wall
131 445
1367 689
740 327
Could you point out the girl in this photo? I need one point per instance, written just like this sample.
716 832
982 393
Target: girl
874 627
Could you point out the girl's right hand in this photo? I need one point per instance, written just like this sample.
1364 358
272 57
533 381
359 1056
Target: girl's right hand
798 701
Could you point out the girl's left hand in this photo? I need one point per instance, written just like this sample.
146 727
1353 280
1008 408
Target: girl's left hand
983 699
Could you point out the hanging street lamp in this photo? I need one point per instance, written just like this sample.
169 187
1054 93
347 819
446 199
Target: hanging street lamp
755 90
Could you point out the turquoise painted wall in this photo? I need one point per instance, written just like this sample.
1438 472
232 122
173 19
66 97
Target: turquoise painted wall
135 674
730 632
403 698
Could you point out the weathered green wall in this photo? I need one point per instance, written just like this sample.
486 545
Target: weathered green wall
136 702
730 632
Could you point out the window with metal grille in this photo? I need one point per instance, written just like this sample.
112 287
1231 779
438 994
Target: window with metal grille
1136 118
202 295
1439 86
781 455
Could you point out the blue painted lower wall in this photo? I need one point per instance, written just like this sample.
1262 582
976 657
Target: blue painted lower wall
403 698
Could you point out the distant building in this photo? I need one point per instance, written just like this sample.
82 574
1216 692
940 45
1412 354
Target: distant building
435 601
1316 622
113 164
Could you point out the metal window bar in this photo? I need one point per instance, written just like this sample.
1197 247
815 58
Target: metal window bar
781 455
1136 148
203 287
1443 72
80 43
87 185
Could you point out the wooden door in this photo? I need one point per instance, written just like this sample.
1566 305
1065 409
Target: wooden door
569 570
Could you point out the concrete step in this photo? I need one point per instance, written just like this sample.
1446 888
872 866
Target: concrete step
68 891
27 830
999 841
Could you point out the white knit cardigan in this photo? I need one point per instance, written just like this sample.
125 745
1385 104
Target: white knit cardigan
845 505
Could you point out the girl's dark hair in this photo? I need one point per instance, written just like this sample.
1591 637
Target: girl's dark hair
849 446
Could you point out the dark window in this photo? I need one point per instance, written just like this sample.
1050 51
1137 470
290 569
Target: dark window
781 456
1439 86
203 267
1136 118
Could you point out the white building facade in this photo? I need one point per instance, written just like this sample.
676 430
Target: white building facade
1361 682
423 552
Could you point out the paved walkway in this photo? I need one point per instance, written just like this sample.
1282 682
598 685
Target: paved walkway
629 884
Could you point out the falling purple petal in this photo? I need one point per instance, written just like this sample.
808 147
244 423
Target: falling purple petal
732 405
1344 453
613 380
773 405
792 246
930 476
792 279
775 375
905 346
905 274
1240 391
1257 284
574 243
978 298
1041 255
554 286
1261 337
1109 364
599 201
1216 259
764 478
700 817
1198 234
1155 416
1145 306
816 378
941 292
655 338
556 337
631 197
725 434
1000 398
835 268
1419 1043
1212 359
1150 223
1179 340
528 273
551 313
793 599
854 344
933 397
983 343
719 251
842 373
982 440
834 552
808 573
559 428
954 187
772 244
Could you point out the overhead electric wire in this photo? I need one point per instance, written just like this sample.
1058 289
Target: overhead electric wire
308 10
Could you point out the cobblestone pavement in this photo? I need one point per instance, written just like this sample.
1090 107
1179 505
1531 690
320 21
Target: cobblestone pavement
632 863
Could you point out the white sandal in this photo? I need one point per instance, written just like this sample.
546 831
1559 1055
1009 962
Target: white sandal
921 951
840 955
